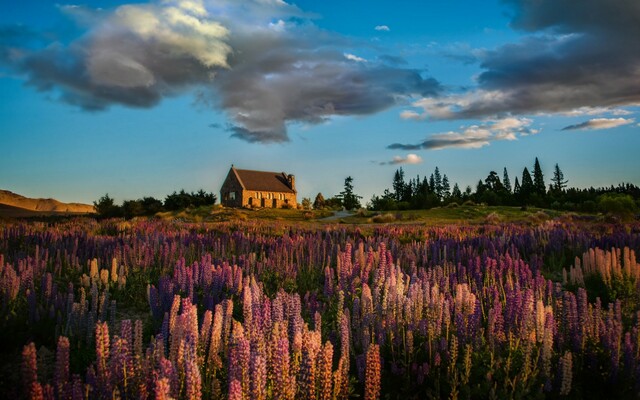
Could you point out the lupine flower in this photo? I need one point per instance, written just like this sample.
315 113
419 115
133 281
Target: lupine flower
372 374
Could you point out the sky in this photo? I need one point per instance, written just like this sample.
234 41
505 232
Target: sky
142 99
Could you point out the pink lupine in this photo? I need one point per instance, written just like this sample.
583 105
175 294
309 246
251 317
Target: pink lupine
324 374
372 373
258 375
235 390
61 372
192 376
162 389
29 367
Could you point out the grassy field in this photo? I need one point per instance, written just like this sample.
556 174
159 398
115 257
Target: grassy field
469 214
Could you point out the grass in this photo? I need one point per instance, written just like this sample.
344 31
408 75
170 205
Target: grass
468 214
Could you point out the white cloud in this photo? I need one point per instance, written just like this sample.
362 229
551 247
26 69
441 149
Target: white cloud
384 28
409 159
474 136
353 57
600 123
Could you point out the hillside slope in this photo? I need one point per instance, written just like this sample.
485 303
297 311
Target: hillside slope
42 205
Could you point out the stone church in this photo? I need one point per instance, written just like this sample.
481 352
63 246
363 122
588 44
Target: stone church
247 188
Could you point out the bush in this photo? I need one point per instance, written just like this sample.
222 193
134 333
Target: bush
383 218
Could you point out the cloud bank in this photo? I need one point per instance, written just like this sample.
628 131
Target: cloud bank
264 62
575 56
474 136
600 123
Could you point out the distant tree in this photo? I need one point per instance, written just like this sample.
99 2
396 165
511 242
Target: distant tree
526 187
617 204
432 184
539 186
151 205
437 179
558 181
446 187
492 182
132 208
506 182
319 202
350 200
516 187
456 194
181 200
398 184
106 208
306 203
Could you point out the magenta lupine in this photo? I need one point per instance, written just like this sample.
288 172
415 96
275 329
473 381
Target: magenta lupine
372 373
258 374
566 367
235 390
284 383
29 367
192 375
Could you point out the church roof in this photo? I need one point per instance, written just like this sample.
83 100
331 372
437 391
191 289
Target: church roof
263 181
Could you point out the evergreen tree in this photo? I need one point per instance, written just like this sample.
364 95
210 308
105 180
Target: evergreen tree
446 187
456 193
559 183
493 182
438 182
526 188
350 200
506 182
516 187
432 184
398 184
319 202
538 179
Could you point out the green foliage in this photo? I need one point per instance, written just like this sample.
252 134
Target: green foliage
617 204
350 200
106 208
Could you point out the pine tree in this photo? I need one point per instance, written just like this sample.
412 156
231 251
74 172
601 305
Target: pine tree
350 200
559 183
398 184
506 182
446 187
456 193
516 187
527 184
538 179
432 184
438 182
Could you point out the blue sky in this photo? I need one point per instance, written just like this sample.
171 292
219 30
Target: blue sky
139 99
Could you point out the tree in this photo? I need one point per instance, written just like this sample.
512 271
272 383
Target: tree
437 179
350 200
516 187
526 188
538 179
106 208
506 182
319 202
559 183
306 203
456 194
398 184
132 208
446 187
151 205
493 182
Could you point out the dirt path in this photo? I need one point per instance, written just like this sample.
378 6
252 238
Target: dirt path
337 215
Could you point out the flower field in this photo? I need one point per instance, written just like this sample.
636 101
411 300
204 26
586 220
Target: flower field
273 310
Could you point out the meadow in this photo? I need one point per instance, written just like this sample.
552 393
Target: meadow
457 304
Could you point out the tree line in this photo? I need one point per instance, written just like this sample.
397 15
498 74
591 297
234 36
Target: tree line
528 189
148 206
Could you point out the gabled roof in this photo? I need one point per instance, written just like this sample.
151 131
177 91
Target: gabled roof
263 181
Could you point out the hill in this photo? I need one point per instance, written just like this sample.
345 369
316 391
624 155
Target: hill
18 205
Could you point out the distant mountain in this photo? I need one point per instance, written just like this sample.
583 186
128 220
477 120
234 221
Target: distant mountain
13 201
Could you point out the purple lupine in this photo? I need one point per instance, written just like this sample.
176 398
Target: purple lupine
235 390
324 374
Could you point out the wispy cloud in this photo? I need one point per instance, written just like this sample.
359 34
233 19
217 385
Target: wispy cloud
600 123
383 28
263 74
474 136
409 159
